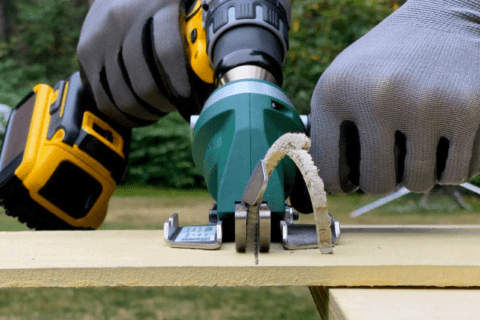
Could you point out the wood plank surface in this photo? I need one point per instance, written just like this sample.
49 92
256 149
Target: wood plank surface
403 304
366 256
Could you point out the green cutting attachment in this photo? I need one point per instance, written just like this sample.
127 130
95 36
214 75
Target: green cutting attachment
238 124
246 44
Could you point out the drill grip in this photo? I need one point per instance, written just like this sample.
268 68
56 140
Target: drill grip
247 32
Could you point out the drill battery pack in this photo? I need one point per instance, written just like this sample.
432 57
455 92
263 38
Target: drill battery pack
61 159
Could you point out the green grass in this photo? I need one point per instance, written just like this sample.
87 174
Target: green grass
148 191
157 303
10 224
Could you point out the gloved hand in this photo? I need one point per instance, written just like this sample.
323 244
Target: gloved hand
402 104
132 56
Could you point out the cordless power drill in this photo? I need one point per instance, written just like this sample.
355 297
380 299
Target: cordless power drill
61 172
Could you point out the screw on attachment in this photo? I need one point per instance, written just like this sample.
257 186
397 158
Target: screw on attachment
193 35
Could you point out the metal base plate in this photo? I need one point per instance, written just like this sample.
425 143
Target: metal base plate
304 236
294 236
193 237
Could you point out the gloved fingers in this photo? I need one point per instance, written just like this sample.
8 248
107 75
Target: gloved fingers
474 167
138 68
335 139
377 164
457 162
459 144
91 54
100 87
420 161
325 136
463 136
460 118
168 47
115 51
138 93
123 96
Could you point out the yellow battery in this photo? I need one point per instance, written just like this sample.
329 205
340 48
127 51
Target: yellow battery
61 159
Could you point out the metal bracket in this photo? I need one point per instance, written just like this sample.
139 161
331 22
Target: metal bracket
304 236
264 227
240 227
252 200
192 237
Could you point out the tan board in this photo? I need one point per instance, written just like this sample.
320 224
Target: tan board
366 256
404 304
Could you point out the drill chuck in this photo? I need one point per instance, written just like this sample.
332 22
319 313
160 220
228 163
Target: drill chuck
246 72
246 32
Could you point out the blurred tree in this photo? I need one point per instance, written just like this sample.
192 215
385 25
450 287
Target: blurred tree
161 155
42 42
3 20
41 47
6 21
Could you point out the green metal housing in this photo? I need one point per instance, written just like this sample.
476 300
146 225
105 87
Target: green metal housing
238 124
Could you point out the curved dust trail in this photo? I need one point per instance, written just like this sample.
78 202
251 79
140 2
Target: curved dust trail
296 147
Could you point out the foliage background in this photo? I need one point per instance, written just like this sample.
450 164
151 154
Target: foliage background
39 44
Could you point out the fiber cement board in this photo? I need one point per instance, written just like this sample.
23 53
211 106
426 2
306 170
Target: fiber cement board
403 304
366 256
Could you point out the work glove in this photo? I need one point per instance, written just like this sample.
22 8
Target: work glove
133 61
402 104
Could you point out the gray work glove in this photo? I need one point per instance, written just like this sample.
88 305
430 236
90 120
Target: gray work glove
402 104
132 56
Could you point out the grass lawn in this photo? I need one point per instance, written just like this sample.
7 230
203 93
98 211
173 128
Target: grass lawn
148 208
